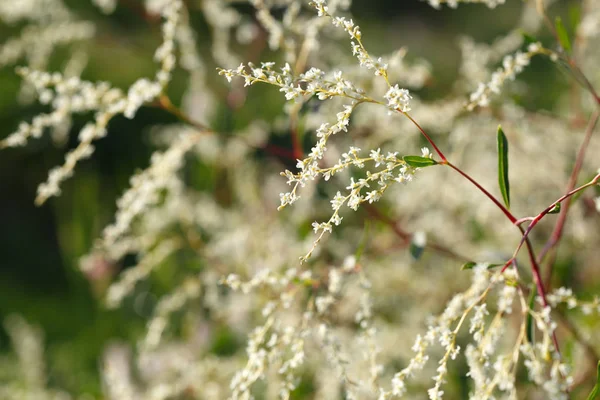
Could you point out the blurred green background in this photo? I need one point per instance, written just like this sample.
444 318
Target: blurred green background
40 246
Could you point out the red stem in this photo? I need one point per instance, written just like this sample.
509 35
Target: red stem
506 212
426 136
541 215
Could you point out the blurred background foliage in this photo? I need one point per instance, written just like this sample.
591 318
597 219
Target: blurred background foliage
40 246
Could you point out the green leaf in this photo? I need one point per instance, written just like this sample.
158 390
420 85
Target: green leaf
596 389
416 251
418 161
472 264
530 326
563 37
555 209
468 265
503 166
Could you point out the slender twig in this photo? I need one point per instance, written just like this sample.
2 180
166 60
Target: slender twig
506 212
428 138
552 206
165 103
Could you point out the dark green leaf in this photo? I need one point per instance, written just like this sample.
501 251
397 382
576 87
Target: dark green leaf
555 209
468 265
596 389
530 326
416 251
503 166
563 37
418 161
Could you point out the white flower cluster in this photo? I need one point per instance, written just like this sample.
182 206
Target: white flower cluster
454 3
275 342
398 99
170 303
29 366
147 187
35 43
171 11
565 296
312 82
442 330
132 276
223 20
393 170
50 24
542 359
71 96
353 30
33 10
68 97
511 66
487 374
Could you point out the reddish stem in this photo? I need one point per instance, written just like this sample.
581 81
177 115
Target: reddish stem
506 212
541 215
426 136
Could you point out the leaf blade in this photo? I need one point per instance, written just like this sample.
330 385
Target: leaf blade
563 36
503 181
419 162
530 326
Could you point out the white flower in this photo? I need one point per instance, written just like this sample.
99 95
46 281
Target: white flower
398 99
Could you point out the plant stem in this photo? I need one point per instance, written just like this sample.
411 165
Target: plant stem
541 215
426 136
506 212
165 103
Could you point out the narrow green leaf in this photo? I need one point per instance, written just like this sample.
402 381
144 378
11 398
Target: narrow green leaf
468 265
503 166
563 36
418 161
596 389
530 326
472 264
555 209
